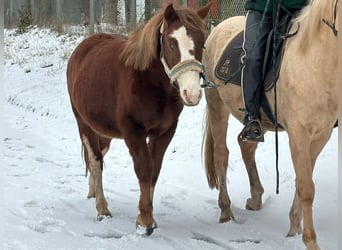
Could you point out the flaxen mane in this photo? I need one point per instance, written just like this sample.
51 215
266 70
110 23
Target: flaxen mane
141 47
310 22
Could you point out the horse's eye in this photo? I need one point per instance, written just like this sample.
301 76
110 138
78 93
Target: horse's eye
171 46
203 47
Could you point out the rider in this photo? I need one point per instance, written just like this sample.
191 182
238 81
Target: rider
259 22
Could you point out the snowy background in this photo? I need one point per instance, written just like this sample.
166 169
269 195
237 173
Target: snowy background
45 204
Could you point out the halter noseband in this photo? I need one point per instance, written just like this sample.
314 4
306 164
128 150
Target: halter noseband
333 25
182 67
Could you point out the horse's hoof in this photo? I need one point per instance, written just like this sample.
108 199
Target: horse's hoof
253 205
147 231
294 232
224 220
312 246
226 215
100 217
91 195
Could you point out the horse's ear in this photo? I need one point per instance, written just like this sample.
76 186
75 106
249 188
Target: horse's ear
170 13
203 12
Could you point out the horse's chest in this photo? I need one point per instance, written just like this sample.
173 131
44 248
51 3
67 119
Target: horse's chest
159 118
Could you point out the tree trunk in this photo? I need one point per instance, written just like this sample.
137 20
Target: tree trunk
130 14
91 17
111 12
44 17
59 16
148 10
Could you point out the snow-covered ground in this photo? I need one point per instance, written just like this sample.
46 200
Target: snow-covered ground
44 190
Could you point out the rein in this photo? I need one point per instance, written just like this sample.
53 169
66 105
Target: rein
333 25
182 67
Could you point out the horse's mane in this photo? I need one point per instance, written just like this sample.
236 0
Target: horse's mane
142 45
310 21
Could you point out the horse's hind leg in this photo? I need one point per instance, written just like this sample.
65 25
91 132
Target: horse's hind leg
104 147
248 155
94 147
215 150
91 142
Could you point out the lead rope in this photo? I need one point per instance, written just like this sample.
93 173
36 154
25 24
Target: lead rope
275 37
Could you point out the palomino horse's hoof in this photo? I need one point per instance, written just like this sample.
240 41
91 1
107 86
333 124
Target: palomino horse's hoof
147 231
253 204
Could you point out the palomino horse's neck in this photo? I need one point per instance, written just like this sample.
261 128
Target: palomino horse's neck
332 25
317 36
317 21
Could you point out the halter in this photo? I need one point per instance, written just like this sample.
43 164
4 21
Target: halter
182 67
333 25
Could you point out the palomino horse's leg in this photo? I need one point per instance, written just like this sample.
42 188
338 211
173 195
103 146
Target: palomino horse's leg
304 154
216 151
248 155
295 216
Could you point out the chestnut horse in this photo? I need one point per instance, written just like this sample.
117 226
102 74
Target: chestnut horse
134 88
307 110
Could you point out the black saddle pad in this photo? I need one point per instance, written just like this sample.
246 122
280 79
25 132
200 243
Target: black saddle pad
229 66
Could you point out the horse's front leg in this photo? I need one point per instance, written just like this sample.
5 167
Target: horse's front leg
300 151
304 154
295 216
143 167
157 147
248 155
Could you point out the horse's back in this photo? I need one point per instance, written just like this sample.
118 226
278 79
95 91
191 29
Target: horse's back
93 52
218 39
93 75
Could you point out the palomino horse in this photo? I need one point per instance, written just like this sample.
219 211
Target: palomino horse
134 88
307 110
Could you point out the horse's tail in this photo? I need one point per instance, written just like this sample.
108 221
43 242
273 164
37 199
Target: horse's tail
208 152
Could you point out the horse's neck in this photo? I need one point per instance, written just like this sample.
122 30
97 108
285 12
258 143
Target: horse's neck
320 52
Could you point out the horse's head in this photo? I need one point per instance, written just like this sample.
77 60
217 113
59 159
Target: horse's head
182 39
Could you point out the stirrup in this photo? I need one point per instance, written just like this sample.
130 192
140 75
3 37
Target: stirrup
252 131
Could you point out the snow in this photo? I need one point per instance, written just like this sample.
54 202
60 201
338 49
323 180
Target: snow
44 191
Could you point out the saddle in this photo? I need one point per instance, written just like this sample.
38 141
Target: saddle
229 66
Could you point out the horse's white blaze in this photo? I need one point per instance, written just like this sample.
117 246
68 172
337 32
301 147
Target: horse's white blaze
188 82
